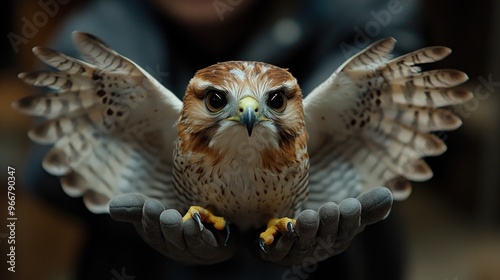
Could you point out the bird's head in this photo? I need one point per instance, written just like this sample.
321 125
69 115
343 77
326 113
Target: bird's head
230 104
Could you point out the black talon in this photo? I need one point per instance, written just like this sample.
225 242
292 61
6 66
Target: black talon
262 245
290 228
196 216
228 231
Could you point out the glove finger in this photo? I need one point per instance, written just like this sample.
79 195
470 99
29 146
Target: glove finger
127 207
151 222
376 205
307 228
172 228
329 215
350 219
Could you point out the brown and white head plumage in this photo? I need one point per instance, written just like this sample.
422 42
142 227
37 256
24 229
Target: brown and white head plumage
245 157
216 134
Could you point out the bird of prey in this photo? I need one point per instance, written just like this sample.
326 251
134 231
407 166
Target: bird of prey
244 146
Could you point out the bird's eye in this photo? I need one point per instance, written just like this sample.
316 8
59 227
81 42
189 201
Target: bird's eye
215 100
277 101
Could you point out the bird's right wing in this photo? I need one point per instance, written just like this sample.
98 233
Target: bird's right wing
111 123
371 122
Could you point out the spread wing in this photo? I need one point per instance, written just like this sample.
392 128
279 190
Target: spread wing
370 122
111 123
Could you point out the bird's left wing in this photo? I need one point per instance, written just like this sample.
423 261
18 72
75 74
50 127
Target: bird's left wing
111 123
370 122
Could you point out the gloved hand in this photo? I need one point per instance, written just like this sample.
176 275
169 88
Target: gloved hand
320 234
165 231
330 230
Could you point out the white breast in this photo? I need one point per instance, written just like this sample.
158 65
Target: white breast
240 191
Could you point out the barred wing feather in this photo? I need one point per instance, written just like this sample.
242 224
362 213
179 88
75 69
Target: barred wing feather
370 122
111 123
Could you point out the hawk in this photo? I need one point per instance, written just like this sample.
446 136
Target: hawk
243 147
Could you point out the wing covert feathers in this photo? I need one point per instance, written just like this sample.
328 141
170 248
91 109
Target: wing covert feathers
386 109
111 123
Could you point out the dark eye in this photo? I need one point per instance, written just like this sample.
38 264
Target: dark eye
215 100
277 101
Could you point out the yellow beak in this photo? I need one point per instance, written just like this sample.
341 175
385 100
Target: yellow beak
248 113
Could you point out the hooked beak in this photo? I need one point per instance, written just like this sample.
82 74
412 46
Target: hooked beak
249 114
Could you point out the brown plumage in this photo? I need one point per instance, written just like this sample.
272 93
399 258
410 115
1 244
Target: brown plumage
266 182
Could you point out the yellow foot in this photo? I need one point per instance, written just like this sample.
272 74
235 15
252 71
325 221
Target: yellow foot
275 226
200 215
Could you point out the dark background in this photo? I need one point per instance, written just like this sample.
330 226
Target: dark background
451 223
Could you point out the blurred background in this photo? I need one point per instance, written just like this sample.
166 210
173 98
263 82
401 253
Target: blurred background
450 225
